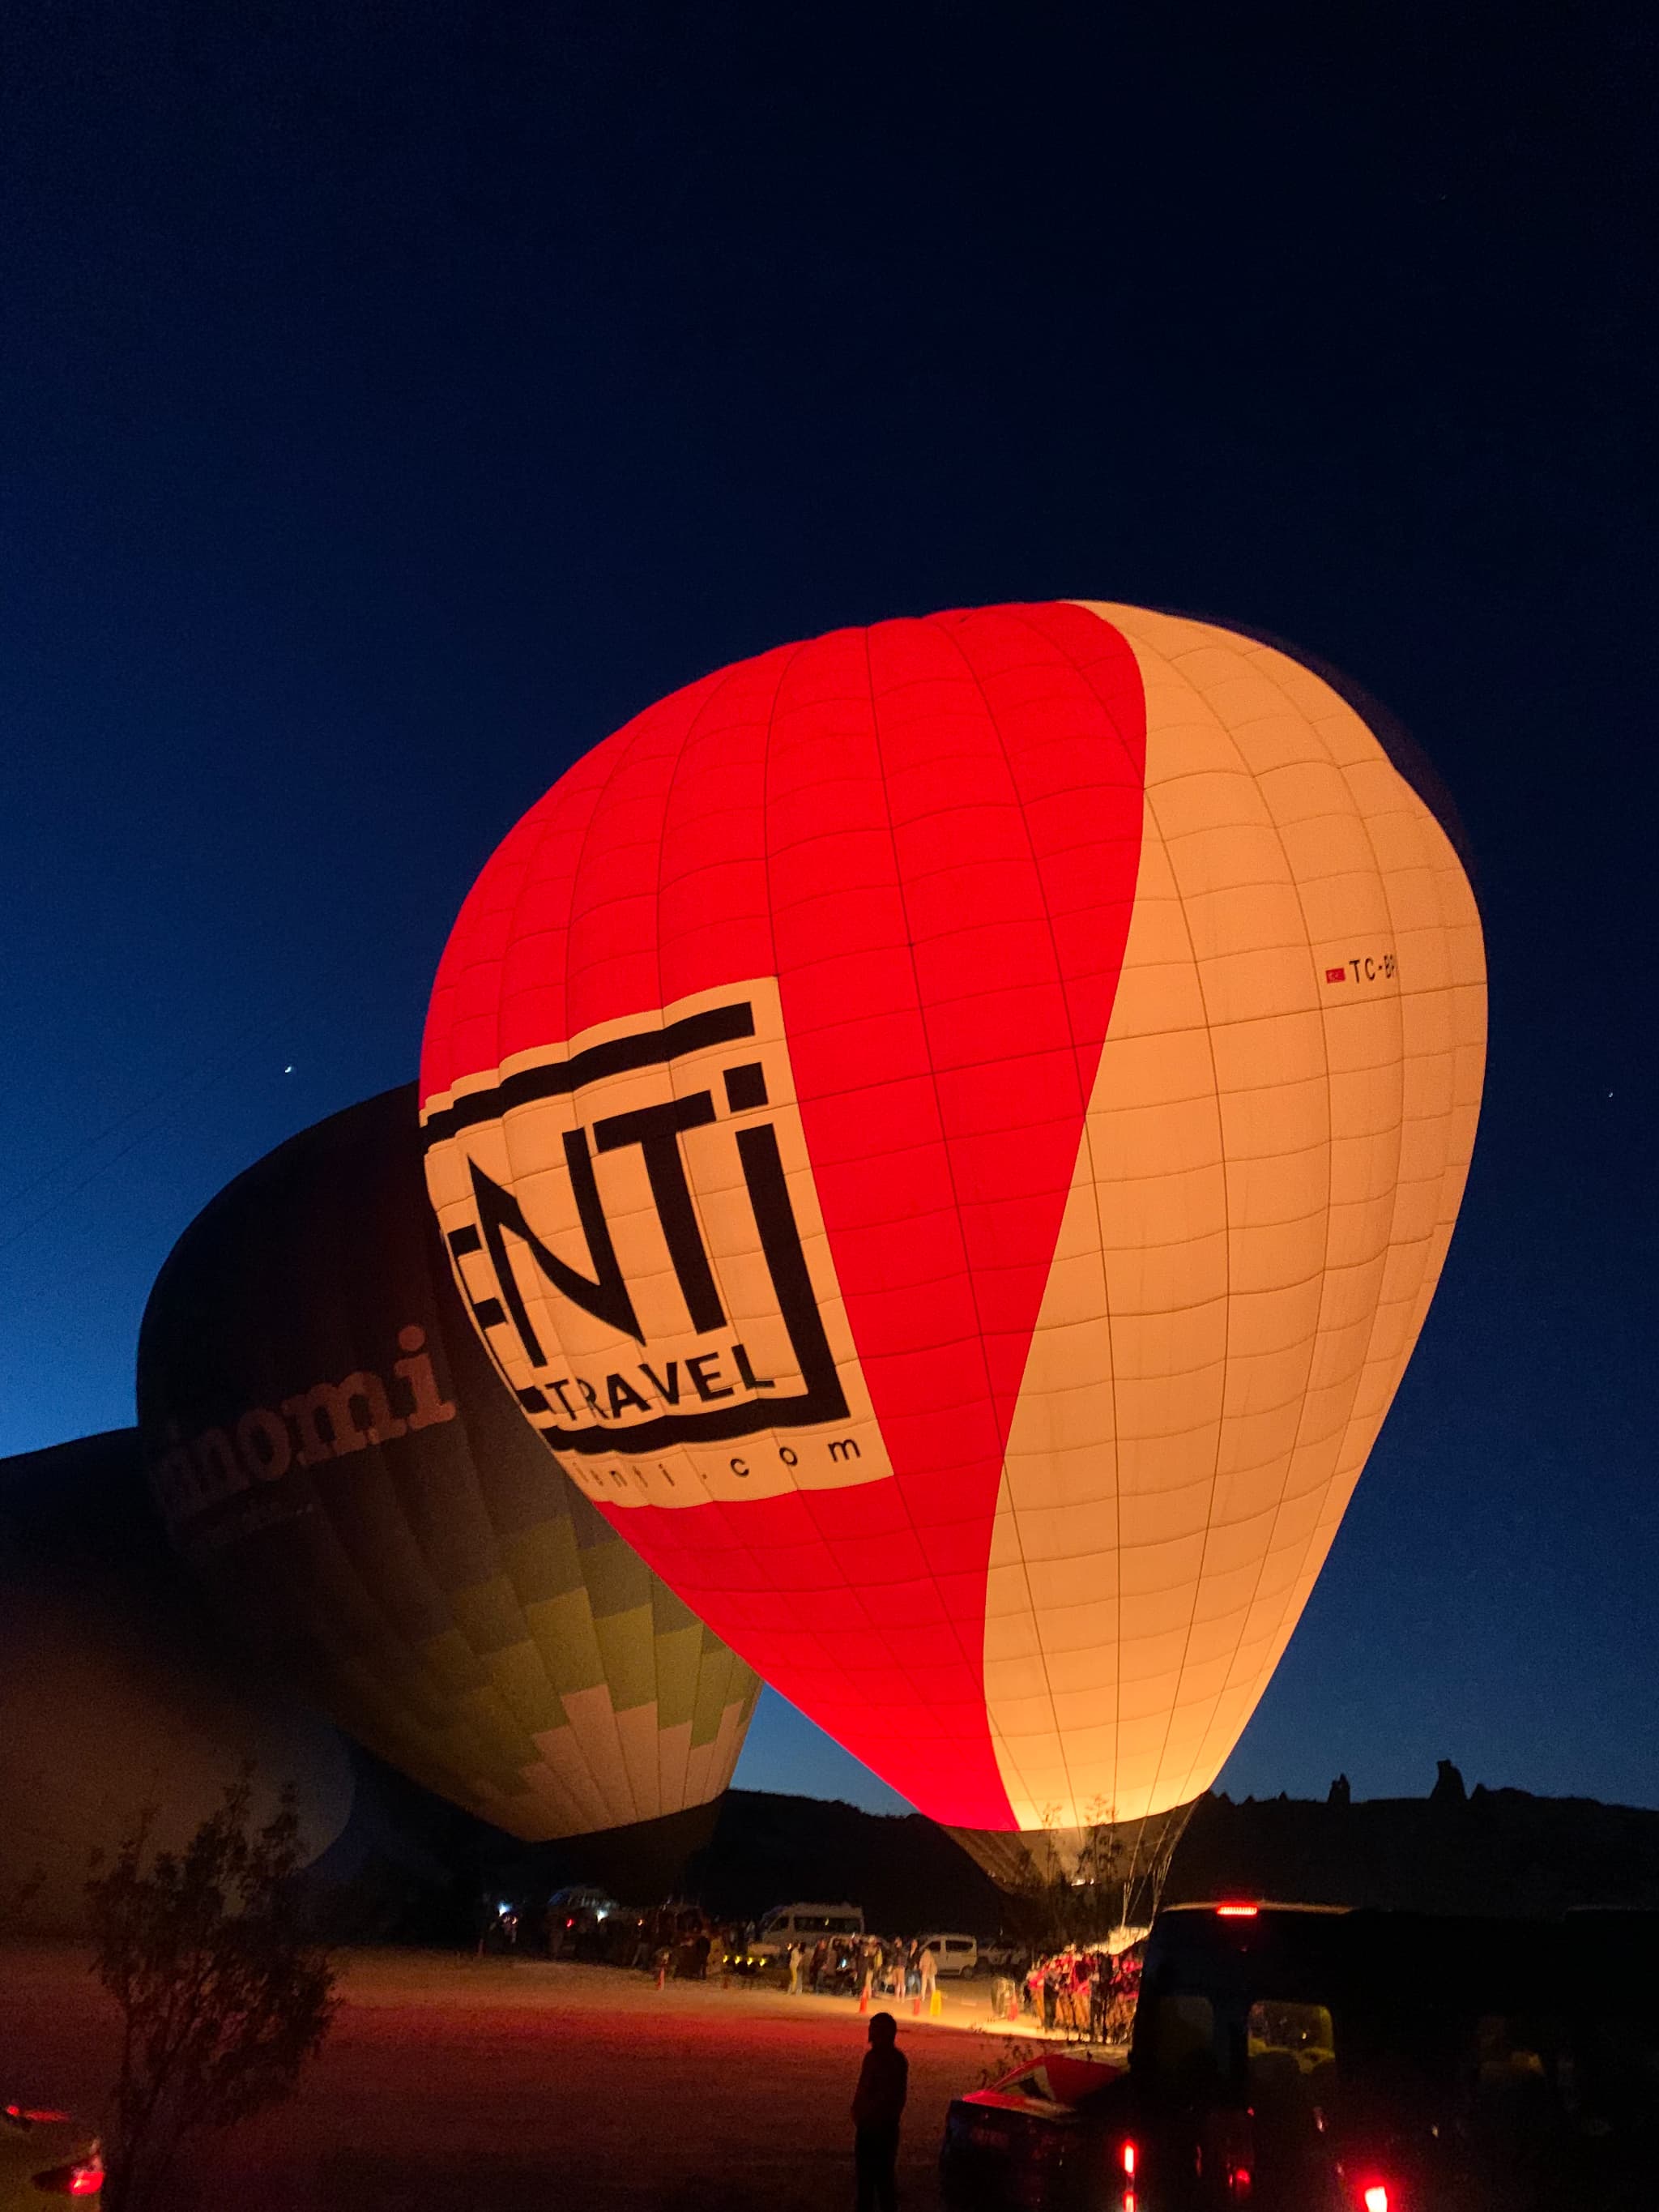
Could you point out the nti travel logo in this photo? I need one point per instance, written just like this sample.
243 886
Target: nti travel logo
662 1300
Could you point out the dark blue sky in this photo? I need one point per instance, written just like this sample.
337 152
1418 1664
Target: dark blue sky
395 397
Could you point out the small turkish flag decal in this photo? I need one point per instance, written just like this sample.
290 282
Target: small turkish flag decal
1336 974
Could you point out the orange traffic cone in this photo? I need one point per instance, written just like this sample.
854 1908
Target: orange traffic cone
915 2007
863 1996
662 1976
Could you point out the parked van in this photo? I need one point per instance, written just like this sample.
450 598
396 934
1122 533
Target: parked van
804 1923
952 1954
1308 2058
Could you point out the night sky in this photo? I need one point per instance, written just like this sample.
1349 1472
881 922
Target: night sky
394 398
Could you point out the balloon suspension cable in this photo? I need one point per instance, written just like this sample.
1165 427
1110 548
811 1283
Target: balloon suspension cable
1158 1857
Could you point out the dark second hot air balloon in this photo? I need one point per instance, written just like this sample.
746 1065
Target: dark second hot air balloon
118 1696
351 1479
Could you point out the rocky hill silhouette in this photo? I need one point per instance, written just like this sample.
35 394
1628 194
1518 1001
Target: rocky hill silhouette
1495 1852
1500 1851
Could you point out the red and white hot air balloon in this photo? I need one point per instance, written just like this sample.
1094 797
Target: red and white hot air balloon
951 1130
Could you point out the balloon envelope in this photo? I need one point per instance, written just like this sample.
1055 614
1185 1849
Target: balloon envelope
339 1463
118 1695
951 1130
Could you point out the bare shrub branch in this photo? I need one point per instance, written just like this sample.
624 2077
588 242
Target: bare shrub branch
222 2000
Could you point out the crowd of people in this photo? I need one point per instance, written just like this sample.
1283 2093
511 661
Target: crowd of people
877 1965
1087 1991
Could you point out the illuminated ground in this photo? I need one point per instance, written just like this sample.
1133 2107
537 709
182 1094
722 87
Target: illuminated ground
452 2083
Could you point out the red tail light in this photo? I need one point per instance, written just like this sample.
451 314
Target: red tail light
1367 2191
84 2178
1127 2157
1237 1911
1370 2193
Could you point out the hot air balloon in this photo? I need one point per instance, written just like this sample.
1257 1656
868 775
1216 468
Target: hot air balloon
117 1696
951 1130
338 1461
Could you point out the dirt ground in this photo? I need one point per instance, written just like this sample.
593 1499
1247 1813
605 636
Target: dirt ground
452 2083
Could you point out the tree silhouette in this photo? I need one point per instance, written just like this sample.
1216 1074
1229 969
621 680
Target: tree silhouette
223 2000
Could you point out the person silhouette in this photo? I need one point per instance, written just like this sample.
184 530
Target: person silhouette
877 2104
929 1970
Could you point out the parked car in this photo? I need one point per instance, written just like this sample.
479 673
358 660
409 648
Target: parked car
1301 2060
953 1954
1004 1957
583 1922
44 2152
804 1923
581 1901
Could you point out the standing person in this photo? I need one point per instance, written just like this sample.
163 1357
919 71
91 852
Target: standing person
929 1976
1100 1992
794 1970
1082 1968
877 2106
815 1967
